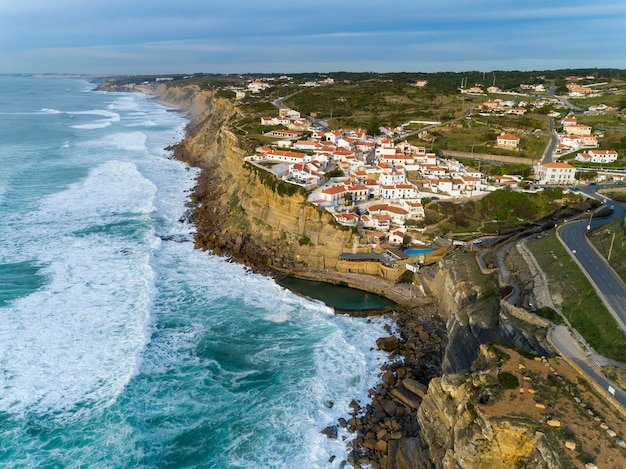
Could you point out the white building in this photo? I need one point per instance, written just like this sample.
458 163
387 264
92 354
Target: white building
598 156
507 141
555 173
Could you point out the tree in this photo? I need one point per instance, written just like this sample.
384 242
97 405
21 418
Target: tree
373 125
347 197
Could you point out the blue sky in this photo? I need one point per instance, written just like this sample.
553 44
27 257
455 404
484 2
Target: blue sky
239 36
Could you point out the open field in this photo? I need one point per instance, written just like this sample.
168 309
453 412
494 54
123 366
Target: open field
574 295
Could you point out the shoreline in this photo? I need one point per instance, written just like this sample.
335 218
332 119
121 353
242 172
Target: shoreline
415 346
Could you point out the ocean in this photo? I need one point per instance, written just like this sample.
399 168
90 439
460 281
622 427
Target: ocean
120 344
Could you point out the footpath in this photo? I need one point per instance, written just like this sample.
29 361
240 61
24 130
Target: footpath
564 338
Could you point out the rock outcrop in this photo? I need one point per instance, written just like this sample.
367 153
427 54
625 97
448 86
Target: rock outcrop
459 434
469 303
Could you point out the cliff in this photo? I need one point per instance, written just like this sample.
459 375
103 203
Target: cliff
237 213
457 423
469 303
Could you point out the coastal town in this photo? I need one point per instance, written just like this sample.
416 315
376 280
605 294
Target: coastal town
380 182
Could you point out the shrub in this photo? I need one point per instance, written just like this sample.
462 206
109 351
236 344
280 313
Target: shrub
508 381
406 277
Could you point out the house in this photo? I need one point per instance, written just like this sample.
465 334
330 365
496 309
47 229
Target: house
358 192
287 156
394 176
394 214
567 121
290 134
507 140
306 145
557 173
398 191
414 207
333 195
396 237
598 156
577 129
347 219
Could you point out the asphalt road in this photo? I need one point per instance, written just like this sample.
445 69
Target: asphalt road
548 153
562 339
610 286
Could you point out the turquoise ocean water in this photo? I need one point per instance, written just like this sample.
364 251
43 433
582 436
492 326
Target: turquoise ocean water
121 345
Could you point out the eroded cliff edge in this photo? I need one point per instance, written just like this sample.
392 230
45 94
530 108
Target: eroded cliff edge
235 213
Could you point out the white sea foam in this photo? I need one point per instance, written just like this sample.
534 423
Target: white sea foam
50 111
309 356
77 340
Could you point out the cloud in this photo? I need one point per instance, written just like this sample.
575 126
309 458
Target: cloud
230 36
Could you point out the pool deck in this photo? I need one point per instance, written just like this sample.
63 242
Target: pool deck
402 293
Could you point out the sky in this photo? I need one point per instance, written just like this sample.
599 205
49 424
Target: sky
107 37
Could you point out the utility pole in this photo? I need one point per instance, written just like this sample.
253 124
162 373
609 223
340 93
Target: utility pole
611 247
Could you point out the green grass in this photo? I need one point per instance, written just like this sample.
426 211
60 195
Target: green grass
579 301
612 233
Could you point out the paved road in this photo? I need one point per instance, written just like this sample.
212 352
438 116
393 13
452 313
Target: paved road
568 347
548 153
609 285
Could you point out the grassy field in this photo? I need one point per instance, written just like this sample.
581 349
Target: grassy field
577 299
376 102
500 212
612 234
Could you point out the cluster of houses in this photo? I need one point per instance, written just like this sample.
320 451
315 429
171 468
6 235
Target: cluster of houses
575 136
597 156
500 107
375 191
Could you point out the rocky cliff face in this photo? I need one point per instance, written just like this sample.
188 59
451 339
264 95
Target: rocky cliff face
459 432
236 213
469 302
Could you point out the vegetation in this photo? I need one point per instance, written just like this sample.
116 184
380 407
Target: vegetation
500 212
584 310
406 277
508 381
280 187
611 238
549 314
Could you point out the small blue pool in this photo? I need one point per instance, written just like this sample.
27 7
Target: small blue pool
415 252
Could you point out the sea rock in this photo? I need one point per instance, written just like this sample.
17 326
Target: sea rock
415 387
381 445
330 432
388 344
354 405
390 407
406 397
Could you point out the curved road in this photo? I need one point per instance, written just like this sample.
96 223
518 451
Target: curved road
563 340
608 284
